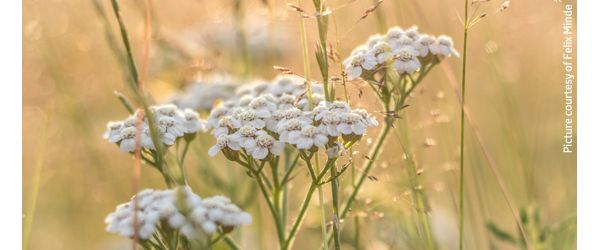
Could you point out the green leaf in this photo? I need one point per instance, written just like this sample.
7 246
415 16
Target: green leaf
500 234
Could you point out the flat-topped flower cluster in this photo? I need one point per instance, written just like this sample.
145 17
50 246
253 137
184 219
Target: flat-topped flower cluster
267 116
178 209
171 123
404 50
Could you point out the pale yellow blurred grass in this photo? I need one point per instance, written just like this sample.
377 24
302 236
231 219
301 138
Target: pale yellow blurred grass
515 95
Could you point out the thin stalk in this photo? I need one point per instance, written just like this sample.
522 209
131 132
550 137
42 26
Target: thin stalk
380 18
231 243
129 55
356 233
272 209
462 130
301 215
322 47
289 166
305 61
336 210
37 173
306 202
322 205
417 194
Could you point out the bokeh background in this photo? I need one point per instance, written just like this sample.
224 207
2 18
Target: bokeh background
72 178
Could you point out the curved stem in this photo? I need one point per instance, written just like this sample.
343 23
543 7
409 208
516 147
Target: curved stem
272 209
231 243
322 206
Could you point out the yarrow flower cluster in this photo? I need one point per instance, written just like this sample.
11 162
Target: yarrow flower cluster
403 50
178 209
170 121
268 116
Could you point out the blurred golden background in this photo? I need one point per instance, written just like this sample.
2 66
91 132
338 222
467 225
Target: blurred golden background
72 178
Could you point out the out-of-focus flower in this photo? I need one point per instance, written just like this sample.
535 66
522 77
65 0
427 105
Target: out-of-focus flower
178 209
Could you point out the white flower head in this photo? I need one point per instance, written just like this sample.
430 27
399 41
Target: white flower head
382 52
366 118
170 129
412 33
128 139
224 142
262 145
394 34
286 101
406 61
215 115
444 47
252 118
192 123
262 105
292 114
225 125
402 43
374 39
356 64
330 122
351 123
308 138
289 126
244 134
273 121
113 131
424 45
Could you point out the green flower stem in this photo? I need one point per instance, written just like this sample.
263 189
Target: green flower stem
322 206
231 243
289 166
462 130
182 159
272 208
304 207
419 199
336 210
305 61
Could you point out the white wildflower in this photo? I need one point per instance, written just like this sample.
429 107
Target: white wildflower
244 134
225 125
192 122
351 123
262 145
406 61
444 47
252 118
359 62
127 142
224 142
309 137
113 131
424 45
